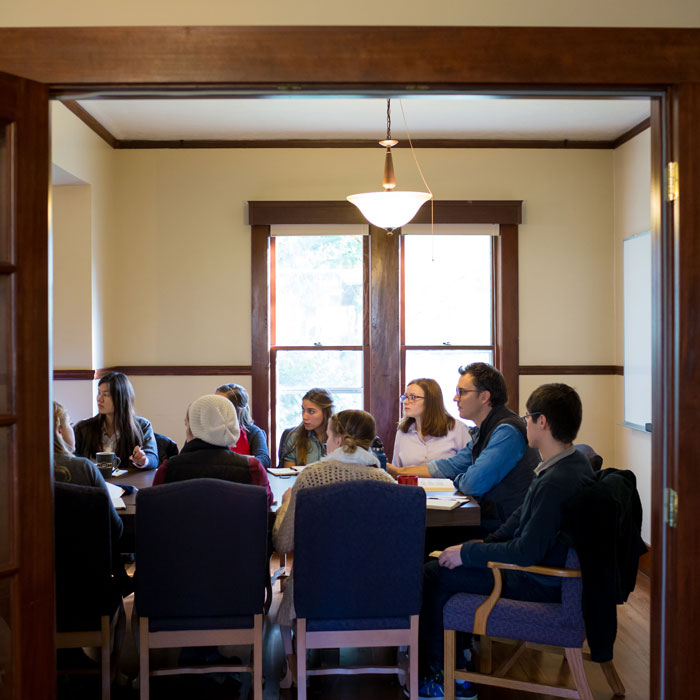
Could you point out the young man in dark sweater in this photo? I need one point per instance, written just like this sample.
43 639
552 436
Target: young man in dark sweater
528 537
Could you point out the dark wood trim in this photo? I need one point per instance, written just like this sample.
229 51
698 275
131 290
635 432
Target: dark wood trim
6 420
361 143
375 59
634 131
384 333
507 310
570 369
91 122
29 475
342 212
176 370
678 434
7 268
260 326
59 374
664 388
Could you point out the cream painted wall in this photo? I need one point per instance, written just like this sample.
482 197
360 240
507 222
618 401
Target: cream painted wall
621 13
183 242
72 263
632 215
83 154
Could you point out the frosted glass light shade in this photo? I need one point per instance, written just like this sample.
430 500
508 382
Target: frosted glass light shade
389 210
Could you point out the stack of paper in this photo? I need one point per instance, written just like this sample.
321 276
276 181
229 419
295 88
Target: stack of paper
444 503
115 493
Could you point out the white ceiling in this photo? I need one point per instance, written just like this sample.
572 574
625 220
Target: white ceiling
434 117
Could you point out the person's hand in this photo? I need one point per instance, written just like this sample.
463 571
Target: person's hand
393 471
286 496
451 557
138 457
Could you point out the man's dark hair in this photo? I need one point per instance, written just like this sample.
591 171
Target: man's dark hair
560 404
488 378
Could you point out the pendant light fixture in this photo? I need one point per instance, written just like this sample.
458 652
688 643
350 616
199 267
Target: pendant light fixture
390 209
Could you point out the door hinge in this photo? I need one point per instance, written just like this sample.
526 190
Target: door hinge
670 507
671 182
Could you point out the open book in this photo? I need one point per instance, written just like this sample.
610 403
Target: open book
286 471
436 484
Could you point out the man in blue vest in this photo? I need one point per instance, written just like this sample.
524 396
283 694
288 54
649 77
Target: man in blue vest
496 466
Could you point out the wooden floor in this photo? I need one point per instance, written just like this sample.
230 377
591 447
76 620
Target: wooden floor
631 661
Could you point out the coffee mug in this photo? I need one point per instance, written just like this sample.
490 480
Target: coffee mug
107 462
410 479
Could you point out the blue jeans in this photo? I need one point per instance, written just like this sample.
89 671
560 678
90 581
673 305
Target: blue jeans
441 583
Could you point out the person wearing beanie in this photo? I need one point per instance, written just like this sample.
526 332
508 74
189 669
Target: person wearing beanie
211 427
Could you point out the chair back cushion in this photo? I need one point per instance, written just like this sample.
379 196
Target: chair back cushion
201 552
593 457
358 550
84 586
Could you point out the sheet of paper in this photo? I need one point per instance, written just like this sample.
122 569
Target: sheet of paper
115 493
443 503
286 471
436 484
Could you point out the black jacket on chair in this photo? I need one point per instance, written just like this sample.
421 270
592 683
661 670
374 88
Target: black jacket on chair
603 523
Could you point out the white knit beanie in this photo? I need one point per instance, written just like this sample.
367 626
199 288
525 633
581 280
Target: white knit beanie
214 420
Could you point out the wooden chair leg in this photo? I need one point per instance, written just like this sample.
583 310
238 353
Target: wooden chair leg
144 680
105 654
450 638
413 660
575 659
485 660
257 658
613 679
301 659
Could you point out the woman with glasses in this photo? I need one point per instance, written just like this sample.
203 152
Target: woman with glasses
427 431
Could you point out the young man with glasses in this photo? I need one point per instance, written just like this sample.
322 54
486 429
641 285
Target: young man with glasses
496 466
529 537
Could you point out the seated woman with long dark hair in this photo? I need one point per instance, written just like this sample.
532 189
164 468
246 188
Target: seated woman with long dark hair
427 431
115 428
306 443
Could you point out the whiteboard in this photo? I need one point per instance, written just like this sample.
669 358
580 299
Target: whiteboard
636 251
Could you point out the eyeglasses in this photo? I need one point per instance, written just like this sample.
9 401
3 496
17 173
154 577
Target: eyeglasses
462 392
530 415
410 397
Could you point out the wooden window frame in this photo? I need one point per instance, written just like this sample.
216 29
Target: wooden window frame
383 353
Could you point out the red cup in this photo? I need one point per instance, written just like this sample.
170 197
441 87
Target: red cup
410 479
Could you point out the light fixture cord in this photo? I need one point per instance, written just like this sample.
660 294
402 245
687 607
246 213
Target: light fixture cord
388 119
413 153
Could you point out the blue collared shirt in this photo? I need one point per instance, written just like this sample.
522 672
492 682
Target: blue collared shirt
505 449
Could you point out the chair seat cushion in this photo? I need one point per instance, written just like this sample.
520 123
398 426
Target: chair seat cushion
542 623
169 624
368 623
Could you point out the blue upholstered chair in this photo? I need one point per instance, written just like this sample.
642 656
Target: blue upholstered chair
88 600
200 571
358 563
551 624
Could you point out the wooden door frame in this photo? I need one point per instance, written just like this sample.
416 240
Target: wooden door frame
510 61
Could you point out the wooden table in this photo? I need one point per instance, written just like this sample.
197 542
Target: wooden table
468 513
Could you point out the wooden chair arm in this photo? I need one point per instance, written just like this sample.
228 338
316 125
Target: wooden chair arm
481 615
544 570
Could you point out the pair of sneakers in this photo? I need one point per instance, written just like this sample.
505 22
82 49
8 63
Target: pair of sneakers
434 687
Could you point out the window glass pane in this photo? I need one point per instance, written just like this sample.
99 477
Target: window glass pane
447 282
300 370
318 290
6 468
6 340
5 194
443 366
5 639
